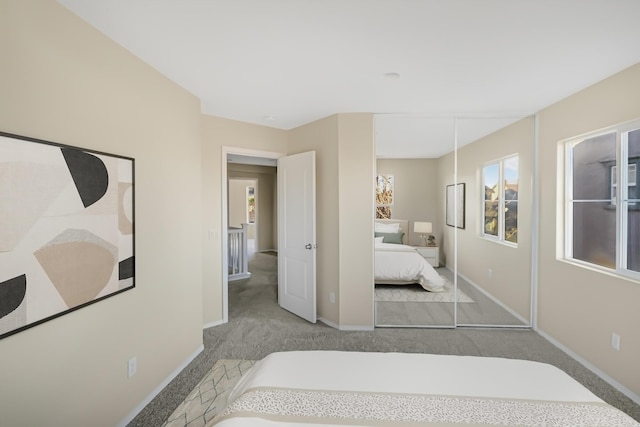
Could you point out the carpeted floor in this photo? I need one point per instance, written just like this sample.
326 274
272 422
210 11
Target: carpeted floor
258 326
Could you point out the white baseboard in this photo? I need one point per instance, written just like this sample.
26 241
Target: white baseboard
345 327
356 328
328 323
621 388
159 388
238 276
524 321
212 324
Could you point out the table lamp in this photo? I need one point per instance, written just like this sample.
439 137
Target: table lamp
424 229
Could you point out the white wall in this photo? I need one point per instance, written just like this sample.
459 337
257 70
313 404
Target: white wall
63 81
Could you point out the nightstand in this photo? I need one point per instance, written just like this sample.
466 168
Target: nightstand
430 253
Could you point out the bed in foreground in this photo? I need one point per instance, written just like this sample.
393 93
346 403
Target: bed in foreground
329 388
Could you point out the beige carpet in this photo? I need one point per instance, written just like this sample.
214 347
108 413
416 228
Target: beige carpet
209 397
416 293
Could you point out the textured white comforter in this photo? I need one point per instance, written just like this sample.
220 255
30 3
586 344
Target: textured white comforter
403 264
323 388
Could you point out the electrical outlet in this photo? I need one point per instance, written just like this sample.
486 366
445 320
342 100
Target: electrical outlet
132 367
332 297
615 341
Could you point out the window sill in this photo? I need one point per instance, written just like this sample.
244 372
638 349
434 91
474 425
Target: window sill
628 276
634 207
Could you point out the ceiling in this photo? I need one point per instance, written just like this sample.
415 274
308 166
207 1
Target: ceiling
415 63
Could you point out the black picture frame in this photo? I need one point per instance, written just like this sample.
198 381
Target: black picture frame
67 239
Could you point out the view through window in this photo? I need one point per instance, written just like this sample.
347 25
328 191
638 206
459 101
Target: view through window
500 210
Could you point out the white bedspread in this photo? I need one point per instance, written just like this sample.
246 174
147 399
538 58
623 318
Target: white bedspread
324 388
403 264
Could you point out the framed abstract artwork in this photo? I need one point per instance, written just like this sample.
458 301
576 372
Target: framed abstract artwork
66 229
455 205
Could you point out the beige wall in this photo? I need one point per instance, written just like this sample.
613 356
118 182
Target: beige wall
267 219
218 133
415 192
356 159
63 81
344 197
510 278
580 307
322 136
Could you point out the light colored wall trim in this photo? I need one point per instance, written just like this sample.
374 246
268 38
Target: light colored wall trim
328 323
356 328
346 327
624 390
160 387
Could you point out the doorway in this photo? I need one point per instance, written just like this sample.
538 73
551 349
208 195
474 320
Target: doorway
247 166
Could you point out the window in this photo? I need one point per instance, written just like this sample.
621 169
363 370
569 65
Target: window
500 203
602 216
631 181
384 196
251 205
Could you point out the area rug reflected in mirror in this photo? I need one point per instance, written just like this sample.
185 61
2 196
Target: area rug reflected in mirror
416 293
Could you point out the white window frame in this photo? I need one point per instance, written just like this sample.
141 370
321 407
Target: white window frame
501 200
621 148
631 179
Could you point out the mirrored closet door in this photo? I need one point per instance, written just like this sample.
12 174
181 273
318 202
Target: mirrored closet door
461 189
415 159
494 160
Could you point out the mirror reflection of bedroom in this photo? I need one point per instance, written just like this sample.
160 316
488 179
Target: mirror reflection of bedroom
450 247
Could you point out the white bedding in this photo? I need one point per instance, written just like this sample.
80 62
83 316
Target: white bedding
324 388
403 264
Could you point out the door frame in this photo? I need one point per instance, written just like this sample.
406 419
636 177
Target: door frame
225 206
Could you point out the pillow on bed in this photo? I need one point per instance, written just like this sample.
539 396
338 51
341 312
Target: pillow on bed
391 237
387 228
378 239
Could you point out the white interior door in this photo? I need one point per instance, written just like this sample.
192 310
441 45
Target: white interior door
297 234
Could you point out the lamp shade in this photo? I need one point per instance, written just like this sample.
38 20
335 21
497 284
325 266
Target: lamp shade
422 227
